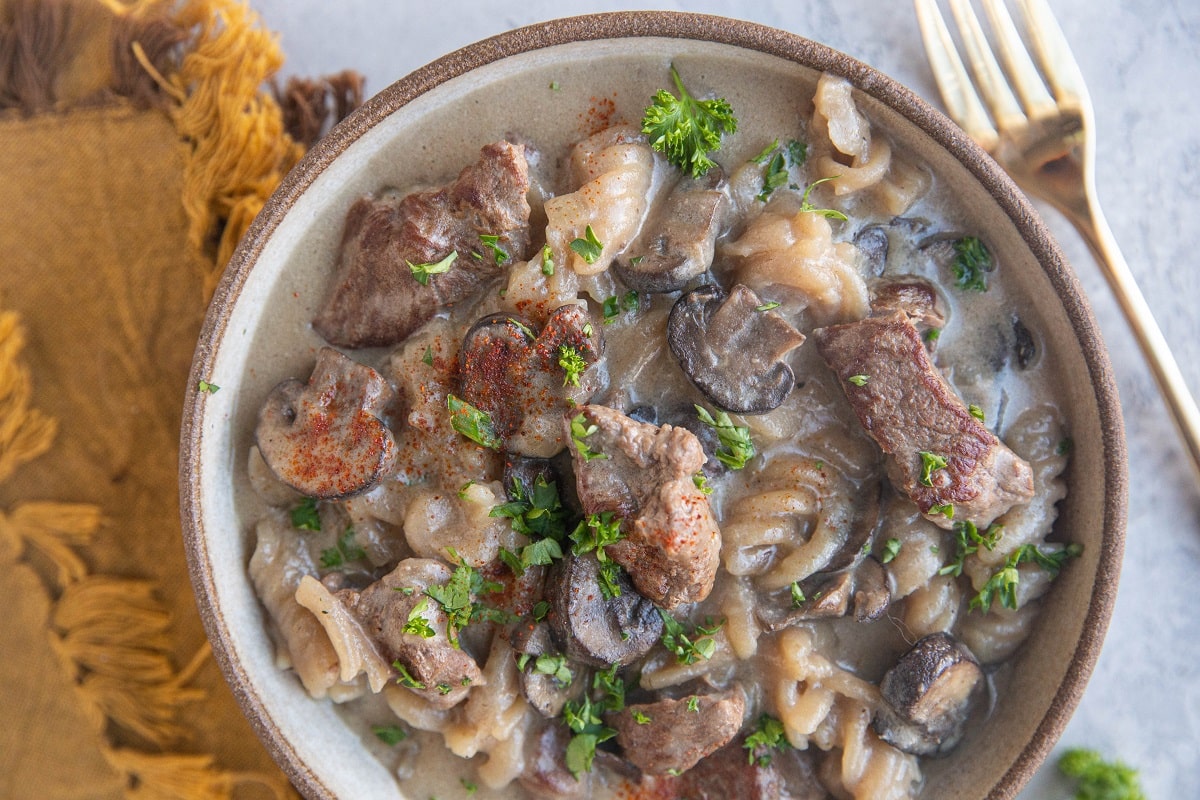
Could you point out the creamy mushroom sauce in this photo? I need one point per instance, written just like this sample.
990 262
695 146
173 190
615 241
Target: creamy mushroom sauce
819 677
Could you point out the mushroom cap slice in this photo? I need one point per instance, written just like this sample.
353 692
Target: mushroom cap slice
326 438
595 630
733 349
928 695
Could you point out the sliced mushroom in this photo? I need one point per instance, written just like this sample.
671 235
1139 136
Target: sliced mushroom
733 349
872 241
928 696
872 595
912 294
326 438
591 628
544 691
546 776
678 244
672 735
515 374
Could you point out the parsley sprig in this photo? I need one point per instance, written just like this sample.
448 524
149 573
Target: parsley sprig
968 540
458 598
584 719
930 463
594 534
472 423
689 647
1100 779
572 364
736 447
972 262
685 129
588 246
828 213
536 512
343 551
422 272
1003 582
768 735
580 431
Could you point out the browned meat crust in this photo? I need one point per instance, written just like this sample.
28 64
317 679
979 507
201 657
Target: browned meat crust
908 408
375 300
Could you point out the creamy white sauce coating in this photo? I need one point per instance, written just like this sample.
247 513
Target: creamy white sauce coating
977 353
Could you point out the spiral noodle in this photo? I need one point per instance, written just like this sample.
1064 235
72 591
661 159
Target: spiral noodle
798 517
822 705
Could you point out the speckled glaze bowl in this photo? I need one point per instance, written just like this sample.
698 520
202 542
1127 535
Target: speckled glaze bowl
420 130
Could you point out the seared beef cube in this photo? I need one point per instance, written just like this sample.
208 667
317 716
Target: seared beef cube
376 299
937 453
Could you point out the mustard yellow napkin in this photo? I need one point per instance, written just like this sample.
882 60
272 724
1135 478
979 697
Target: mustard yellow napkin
137 146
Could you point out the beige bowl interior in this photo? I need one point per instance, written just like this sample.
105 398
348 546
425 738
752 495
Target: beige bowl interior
422 130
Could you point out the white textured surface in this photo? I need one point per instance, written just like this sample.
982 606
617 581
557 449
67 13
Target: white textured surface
1141 60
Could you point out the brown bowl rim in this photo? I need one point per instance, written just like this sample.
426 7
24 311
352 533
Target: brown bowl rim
721 30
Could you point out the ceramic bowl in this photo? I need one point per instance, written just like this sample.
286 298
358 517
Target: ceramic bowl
421 130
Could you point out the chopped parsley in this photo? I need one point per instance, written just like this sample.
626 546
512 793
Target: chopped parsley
391 735
774 176
457 598
766 153
797 152
641 718
345 550
968 540
891 549
554 665
945 509
1004 580
206 387
798 597
701 482
593 534
689 648
492 242
693 704
589 247
933 334
472 423
468 786
584 720
572 364
416 623
523 328
1099 779
406 679
769 734
975 411
685 129
611 687
547 261
305 516
540 610
930 462
1064 447
580 432
427 359
614 305
736 447
972 262
859 380
535 511
422 272
828 213
767 306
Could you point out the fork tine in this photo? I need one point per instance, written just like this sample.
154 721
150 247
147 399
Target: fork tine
988 75
1025 78
962 102
1051 46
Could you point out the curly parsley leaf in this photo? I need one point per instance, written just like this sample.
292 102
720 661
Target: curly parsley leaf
689 647
391 735
472 423
572 364
589 247
344 551
583 719
685 129
828 213
1003 582
579 433
930 462
768 735
736 447
1100 779
416 623
972 262
422 272
458 598
305 517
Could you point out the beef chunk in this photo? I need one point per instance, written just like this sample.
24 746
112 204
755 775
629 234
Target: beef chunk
909 409
644 474
731 772
673 734
375 299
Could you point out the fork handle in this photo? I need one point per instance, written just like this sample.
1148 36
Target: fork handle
1093 226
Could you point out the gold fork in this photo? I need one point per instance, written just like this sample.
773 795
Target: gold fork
1045 142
